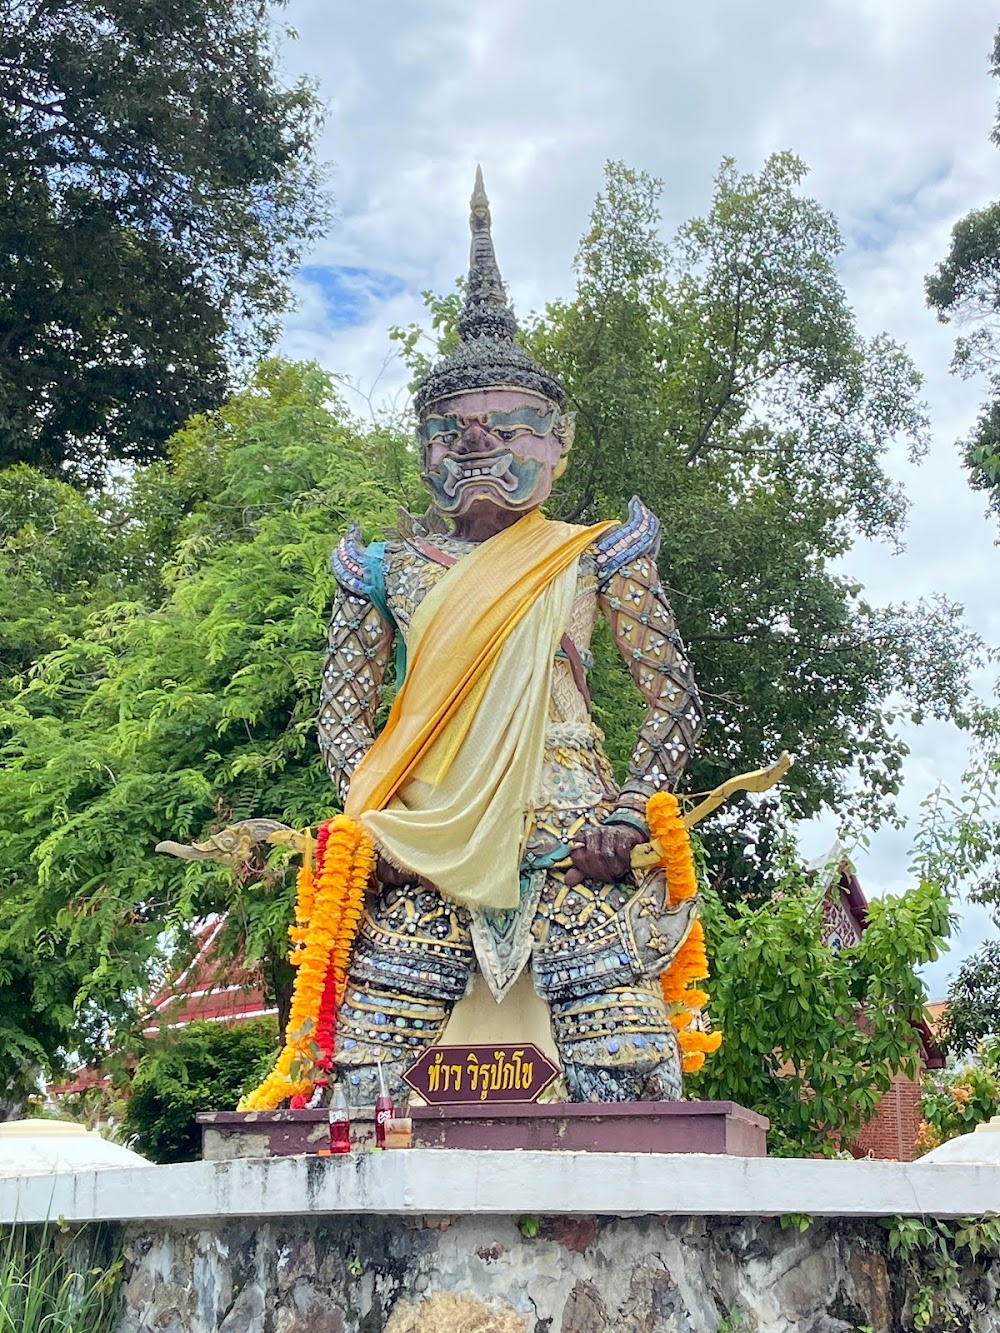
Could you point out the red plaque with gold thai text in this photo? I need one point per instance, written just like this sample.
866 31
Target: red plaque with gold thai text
450 1075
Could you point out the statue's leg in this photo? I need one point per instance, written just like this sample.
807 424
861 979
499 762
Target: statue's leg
610 1023
617 1045
412 960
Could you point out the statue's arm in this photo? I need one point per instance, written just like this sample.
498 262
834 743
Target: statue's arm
359 647
645 632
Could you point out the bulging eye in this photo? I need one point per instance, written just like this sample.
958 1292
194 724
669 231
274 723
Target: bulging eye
508 432
444 437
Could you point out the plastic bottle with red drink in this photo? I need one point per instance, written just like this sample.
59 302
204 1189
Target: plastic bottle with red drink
340 1123
383 1108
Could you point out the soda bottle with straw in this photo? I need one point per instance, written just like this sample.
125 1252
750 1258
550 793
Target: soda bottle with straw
383 1108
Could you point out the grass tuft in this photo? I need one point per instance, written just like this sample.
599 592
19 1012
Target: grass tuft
52 1281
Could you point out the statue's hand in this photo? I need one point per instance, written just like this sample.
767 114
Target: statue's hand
603 853
387 873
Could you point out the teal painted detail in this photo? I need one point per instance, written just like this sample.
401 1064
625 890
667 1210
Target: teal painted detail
547 859
376 590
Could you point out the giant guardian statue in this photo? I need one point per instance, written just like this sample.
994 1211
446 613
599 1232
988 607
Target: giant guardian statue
503 841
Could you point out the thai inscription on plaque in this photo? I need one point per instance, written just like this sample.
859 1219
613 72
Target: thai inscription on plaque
464 1074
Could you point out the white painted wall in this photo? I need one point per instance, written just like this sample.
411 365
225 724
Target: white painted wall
452 1182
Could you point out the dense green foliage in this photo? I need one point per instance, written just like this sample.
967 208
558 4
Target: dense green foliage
812 1037
158 186
956 1101
73 1285
60 561
202 1067
935 1256
973 1013
38 990
185 704
966 852
54 557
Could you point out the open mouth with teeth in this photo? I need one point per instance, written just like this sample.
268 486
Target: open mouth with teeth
480 468
456 478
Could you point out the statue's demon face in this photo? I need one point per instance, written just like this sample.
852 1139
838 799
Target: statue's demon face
502 447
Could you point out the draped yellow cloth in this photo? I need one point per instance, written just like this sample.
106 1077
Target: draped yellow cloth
447 788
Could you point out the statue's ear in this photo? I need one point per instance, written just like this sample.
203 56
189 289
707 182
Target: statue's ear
564 429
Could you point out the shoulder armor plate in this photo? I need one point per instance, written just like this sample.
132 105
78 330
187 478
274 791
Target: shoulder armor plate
638 535
348 562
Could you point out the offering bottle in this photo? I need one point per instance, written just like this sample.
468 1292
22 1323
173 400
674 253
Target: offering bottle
340 1124
383 1109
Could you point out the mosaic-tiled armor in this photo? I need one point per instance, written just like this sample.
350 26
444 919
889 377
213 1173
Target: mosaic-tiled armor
595 961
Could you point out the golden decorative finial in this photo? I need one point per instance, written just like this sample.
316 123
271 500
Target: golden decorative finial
479 199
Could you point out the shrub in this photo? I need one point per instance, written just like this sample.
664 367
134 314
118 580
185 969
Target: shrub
203 1067
955 1103
49 1282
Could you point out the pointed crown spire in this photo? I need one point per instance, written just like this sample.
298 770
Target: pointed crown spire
487 356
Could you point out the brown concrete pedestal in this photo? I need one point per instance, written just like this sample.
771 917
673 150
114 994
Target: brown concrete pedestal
634 1127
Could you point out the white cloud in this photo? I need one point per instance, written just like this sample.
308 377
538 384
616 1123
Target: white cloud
889 101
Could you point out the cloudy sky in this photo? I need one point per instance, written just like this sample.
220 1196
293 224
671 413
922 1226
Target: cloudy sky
889 102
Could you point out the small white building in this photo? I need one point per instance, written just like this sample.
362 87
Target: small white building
45 1147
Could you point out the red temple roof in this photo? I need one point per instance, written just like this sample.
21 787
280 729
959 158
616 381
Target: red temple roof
209 989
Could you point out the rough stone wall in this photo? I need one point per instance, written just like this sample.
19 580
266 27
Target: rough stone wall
377 1274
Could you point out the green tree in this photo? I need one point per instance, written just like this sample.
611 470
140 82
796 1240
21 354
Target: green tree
38 988
202 1067
973 1012
963 846
726 372
61 557
55 554
64 554
964 289
182 709
159 185
956 1101
812 1038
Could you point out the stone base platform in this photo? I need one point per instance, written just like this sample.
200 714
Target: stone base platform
633 1127
522 1242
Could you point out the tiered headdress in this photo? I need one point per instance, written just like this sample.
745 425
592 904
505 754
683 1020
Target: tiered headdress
487 356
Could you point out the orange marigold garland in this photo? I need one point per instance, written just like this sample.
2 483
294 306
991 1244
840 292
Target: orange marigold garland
690 965
351 907
327 914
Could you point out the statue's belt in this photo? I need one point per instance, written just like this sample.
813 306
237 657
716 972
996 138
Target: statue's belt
572 652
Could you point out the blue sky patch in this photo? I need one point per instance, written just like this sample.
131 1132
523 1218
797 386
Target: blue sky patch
874 228
350 291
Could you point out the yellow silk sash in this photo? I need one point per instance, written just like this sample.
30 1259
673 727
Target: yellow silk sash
456 635
457 640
